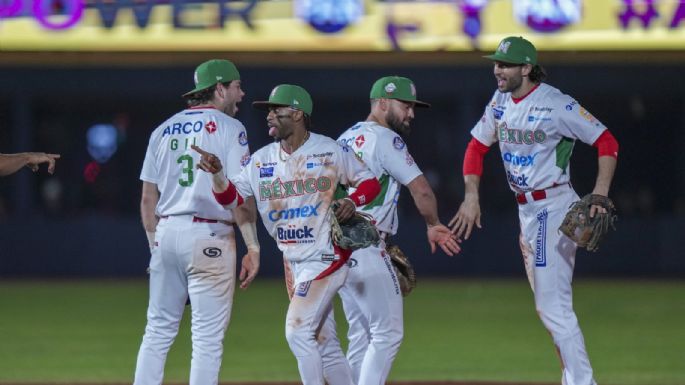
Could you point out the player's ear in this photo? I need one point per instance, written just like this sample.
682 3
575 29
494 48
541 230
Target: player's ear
297 115
384 104
219 91
526 69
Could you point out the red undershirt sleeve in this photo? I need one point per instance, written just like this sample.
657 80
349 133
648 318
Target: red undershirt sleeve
606 145
473 157
366 192
229 195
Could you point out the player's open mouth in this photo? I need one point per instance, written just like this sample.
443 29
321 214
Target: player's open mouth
501 83
273 130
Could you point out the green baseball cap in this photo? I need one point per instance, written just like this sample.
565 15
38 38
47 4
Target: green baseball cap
396 87
287 95
212 72
515 50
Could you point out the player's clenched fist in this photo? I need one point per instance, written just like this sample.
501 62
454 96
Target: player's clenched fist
208 161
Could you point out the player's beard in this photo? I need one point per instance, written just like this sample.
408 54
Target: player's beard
279 132
396 124
511 84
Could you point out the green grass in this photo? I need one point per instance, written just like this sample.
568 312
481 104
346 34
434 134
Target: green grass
90 331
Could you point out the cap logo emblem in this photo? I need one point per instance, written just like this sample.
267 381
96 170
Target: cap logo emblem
413 89
219 77
273 92
390 88
504 46
195 78
295 101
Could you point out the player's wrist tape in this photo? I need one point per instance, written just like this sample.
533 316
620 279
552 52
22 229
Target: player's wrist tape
220 182
150 238
249 233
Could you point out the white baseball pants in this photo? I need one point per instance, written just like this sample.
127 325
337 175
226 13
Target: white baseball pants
309 308
196 261
549 257
372 302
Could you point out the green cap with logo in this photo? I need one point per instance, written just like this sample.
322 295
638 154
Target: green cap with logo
515 50
212 72
396 87
287 95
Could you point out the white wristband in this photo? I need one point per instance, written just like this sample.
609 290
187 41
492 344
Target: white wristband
150 238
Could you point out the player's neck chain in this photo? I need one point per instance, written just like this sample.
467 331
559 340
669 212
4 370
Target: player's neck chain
284 155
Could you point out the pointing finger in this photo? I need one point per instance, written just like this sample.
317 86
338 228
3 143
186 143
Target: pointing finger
199 150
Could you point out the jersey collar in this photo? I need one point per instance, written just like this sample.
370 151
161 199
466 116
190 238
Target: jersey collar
516 100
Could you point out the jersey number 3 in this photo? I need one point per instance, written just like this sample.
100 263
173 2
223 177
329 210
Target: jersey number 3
186 161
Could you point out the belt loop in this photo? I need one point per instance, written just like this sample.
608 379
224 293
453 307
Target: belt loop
521 199
538 195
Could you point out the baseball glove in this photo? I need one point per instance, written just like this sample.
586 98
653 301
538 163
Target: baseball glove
585 231
403 269
355 233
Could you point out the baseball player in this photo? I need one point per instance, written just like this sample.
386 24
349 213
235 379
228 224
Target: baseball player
11 163
191 235
370 296
294 182
536 127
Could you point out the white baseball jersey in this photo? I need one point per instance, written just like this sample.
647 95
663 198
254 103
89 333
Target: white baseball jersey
293 193
536 135
387 156
170 162
536 138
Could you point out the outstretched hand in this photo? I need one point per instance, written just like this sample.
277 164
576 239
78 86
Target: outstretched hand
36 158
249 268
447 241
208 161
463 221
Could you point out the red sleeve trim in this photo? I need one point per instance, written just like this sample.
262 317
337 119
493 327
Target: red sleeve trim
366 191
228 196
606 145
473 157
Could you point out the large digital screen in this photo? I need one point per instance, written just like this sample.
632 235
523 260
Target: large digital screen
337 25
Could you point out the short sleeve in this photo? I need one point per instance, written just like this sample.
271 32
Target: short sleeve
150 171
576 122
484 130
239 149
242 180
396 159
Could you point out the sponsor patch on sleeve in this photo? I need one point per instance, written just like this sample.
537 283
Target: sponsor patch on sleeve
242 138
398 143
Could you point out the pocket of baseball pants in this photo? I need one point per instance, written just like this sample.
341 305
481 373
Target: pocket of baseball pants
210 256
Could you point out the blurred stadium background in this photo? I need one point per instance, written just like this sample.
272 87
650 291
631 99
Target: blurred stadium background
90 80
